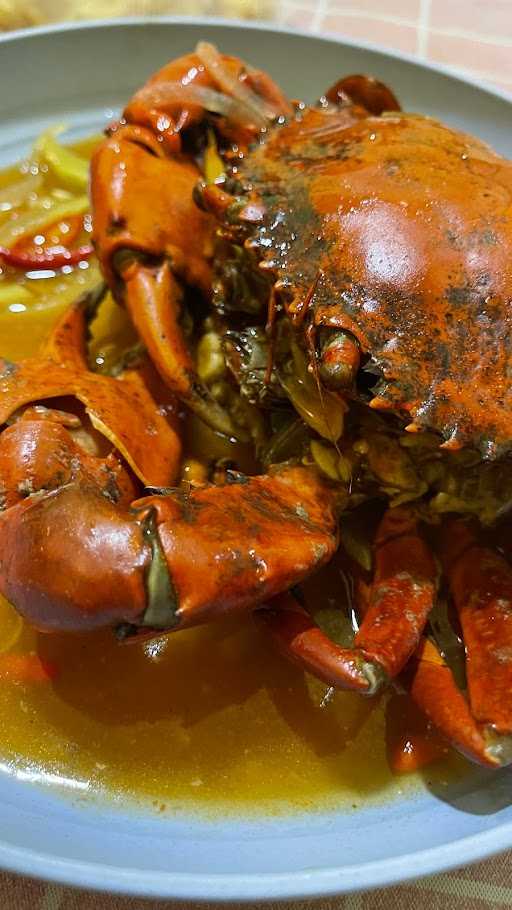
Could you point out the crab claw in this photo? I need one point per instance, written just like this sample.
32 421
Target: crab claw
151 238
121 409
170 561
39 452
150 251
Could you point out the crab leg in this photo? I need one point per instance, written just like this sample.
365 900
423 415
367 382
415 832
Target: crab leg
481 585
402 594
430 682
400 598
387 620
301 640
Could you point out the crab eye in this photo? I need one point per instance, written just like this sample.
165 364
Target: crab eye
339 360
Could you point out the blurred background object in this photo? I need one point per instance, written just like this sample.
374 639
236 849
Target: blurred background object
23 13
20 14
473 37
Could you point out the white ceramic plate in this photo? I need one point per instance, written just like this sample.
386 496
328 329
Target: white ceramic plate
80 75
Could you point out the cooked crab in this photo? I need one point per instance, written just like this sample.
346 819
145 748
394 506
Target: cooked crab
368 255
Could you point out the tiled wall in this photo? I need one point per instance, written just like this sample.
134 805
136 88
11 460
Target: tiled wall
472 36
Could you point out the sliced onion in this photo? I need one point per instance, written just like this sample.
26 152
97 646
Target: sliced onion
260 107
161 94
69 168
17 193
329 130
30 223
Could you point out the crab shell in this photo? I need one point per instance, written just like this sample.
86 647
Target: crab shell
397 229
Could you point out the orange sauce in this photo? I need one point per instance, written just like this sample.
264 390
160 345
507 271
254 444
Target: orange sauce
209 718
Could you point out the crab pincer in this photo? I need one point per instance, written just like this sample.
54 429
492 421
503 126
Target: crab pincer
80 549
120 409
168 561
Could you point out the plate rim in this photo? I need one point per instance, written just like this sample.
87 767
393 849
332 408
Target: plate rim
261 886
266 886
263 26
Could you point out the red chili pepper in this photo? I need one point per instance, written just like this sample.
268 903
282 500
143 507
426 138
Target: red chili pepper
60 233
52 258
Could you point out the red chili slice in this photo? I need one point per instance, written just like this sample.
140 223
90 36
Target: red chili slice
63 232
52 258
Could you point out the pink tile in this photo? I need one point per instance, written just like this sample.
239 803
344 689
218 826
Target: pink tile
504 86
480 16
493 59
403 9
297 17
399 37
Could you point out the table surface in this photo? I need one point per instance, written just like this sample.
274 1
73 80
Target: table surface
472 37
